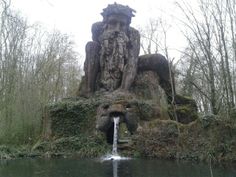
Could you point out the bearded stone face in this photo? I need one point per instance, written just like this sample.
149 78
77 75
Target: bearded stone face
117 22
128 109
114 51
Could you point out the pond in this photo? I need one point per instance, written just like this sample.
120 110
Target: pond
97 168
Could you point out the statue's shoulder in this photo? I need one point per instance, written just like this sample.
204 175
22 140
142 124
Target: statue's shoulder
134 33
97 29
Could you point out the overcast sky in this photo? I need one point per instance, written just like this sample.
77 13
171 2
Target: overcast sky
76 17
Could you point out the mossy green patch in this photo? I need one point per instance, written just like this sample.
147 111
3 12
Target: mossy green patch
10 152
81 146
70 118
170 140
184 109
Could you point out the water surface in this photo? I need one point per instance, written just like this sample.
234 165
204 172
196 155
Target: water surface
96 168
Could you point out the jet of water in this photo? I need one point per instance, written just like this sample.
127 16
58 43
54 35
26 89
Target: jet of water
115 136
115 156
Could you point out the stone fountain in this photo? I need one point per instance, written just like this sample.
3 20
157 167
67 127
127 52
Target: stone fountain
140 90
115 71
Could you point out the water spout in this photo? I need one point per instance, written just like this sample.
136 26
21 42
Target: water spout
115 156
115 135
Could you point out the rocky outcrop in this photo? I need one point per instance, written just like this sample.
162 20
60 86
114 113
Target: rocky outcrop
73 123
145 101
200 140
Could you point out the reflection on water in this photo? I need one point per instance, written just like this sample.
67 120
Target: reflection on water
115 168
96 168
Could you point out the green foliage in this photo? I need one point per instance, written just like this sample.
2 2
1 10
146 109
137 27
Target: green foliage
81 146
146 110
9 152
71 118
159 140
185 109
196 141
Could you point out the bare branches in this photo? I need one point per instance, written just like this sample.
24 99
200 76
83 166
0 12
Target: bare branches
210 32
36 67
153 36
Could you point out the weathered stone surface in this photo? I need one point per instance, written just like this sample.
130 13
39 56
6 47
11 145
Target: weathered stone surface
158 64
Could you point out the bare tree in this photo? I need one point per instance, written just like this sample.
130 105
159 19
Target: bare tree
210 33
36 68
153 36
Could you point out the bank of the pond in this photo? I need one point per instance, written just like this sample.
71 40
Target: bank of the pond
16 151
72 133
77 146
203 140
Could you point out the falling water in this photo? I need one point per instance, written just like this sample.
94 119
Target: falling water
115 136
115 156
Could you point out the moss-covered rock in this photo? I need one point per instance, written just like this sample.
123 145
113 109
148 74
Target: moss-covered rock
70 117
195 141
157 139
184 110
69 126
81 146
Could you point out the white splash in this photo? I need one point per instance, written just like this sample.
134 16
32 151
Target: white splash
113 157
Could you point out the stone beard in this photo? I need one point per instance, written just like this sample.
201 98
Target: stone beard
113 58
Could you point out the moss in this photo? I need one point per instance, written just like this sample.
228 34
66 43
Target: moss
73 125
70 118
161 139
185 113
147 110
81 146
10 152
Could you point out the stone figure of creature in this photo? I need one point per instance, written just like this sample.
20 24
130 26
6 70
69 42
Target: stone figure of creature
112 56
115 71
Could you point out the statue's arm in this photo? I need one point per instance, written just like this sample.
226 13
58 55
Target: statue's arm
91 64
130 69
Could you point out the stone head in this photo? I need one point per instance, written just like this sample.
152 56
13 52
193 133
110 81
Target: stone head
117 17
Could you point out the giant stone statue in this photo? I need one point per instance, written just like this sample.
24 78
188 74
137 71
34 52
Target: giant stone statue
112 56
137 89
115 71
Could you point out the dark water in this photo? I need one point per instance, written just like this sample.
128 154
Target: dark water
96 168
